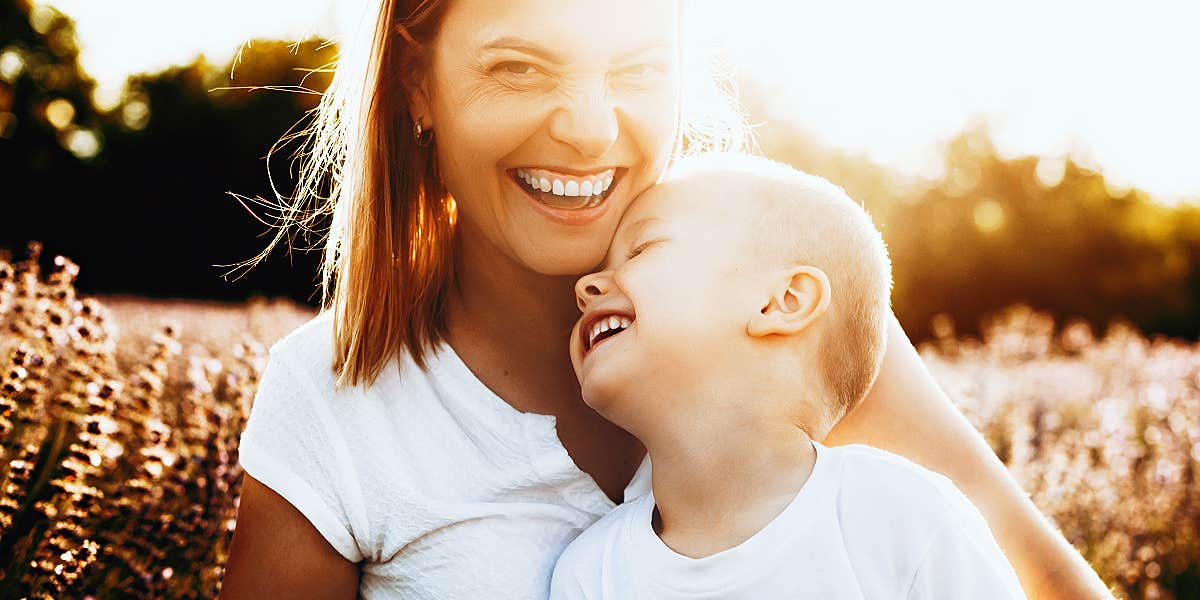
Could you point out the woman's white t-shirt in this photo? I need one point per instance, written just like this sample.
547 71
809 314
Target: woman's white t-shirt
435 484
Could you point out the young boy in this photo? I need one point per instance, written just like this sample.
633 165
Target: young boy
740 314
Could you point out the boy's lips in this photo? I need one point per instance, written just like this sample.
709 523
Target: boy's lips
599 326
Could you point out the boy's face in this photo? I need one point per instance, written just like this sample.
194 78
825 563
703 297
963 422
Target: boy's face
672 301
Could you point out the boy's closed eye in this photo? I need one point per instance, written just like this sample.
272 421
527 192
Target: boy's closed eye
638 249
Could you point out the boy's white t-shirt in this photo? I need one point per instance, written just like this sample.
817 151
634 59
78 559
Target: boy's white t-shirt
867 525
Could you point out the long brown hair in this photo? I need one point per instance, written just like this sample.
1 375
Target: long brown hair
388 257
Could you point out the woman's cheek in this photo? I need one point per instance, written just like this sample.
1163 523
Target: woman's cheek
651 121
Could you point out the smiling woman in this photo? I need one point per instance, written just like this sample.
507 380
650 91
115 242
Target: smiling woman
427 425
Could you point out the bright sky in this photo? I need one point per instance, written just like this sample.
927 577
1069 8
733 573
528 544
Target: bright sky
1115 84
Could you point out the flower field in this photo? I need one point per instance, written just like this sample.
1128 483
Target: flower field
120 417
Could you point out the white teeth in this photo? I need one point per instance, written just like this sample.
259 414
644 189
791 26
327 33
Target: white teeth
565 185
612 323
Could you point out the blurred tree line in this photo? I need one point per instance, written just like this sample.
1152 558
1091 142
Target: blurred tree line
135 190
145 210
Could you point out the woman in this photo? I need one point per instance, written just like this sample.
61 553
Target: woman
489 148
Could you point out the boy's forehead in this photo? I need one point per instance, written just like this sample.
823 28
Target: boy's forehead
695 198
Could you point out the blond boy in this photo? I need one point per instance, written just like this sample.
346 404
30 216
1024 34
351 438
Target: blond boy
739 315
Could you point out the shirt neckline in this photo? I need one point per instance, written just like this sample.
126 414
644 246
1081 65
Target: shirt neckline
542 430
661 566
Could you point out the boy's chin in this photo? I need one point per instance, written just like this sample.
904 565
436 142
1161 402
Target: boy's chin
605 400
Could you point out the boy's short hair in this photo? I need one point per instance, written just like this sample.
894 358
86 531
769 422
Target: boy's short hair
808 220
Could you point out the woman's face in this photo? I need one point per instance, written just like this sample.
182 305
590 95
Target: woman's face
549 118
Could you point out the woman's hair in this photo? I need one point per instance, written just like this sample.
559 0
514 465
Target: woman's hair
387 264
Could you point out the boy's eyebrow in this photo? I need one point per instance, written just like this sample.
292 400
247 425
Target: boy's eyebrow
636 229
632 232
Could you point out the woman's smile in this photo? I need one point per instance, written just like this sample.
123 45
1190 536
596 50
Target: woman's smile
568 197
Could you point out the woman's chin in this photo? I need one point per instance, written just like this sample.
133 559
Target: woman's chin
570 259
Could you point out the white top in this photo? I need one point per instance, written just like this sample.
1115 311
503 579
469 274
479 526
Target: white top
436 485
866 525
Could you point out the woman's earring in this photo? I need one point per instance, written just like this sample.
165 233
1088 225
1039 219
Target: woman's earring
423 136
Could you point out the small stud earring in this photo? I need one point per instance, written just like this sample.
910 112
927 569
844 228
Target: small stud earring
423 136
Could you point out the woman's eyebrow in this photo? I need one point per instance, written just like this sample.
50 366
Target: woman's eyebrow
651 47
510 42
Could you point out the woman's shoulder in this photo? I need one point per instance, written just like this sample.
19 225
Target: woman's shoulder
307 345
308 352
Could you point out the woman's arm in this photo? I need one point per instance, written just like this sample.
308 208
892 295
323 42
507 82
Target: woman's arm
907 413
277 553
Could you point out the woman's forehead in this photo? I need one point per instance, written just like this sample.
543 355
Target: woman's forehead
562 31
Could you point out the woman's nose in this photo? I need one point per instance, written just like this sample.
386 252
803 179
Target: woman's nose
588 120
590 288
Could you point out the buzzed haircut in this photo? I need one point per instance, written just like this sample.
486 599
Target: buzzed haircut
806 220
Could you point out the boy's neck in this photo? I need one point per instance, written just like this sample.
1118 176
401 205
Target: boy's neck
722 480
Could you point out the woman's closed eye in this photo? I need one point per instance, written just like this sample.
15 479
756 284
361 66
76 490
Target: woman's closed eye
521 75
517 68
638 75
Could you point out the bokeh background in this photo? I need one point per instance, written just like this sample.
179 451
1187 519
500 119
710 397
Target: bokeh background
1034 168
1043 153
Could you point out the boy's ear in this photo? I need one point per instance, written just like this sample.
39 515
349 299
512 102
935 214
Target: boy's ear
799 297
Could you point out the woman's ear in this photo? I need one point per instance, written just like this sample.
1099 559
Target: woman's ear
798 298
416 93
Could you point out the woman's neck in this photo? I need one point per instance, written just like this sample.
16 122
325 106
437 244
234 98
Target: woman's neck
511 325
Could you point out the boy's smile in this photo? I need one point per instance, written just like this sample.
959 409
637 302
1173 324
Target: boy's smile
602 325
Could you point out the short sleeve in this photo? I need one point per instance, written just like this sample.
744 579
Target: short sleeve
964 561
292 444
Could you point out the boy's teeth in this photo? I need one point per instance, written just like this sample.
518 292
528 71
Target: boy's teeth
612 323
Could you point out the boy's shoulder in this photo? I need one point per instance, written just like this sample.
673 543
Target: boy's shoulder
606 531
890 512
890 483
928 530
582 564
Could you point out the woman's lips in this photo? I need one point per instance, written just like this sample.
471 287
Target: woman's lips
563 208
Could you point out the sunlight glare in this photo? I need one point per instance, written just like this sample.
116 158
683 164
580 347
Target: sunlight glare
1105 84
83 143
11 64
59 113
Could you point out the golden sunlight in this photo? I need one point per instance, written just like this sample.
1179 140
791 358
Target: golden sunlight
889 80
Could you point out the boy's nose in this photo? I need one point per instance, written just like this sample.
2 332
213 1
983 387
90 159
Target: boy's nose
590 287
